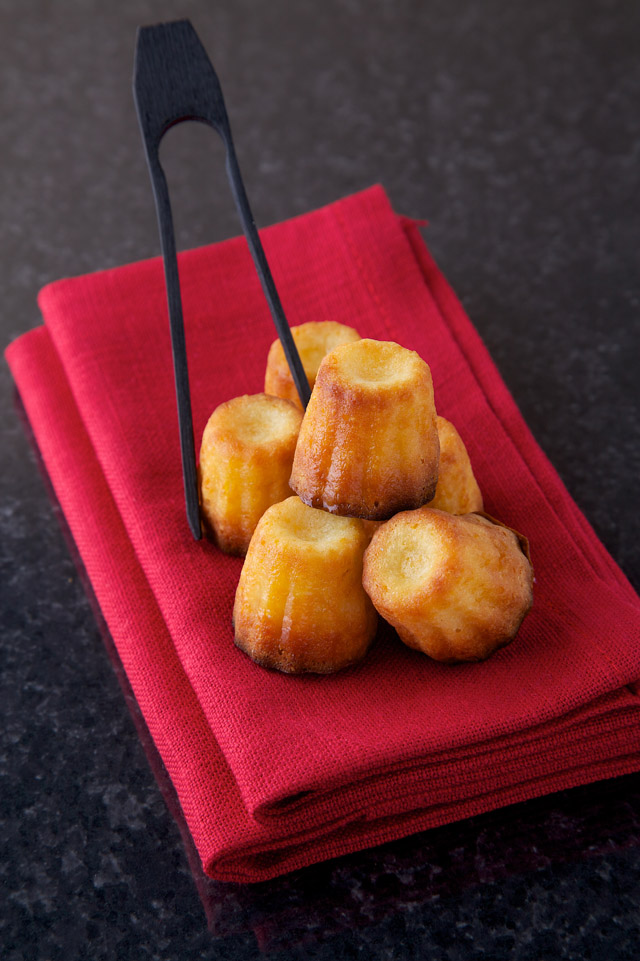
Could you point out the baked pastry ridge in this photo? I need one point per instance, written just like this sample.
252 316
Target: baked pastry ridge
457 490
368 444
300 605
245 463
314 340
455 587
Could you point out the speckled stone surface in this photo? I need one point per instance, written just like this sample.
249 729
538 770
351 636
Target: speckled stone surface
514 128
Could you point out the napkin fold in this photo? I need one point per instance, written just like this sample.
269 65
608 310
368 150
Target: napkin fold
275 772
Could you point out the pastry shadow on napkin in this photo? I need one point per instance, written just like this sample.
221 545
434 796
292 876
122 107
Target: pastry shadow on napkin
358 891
296 770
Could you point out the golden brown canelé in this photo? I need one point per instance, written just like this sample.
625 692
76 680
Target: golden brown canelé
457 491
245 464
454 587
314 340
300 605
368 445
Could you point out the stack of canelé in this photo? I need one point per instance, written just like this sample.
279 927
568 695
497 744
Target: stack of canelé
364 505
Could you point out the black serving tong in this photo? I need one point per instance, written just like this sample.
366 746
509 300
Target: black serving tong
174 81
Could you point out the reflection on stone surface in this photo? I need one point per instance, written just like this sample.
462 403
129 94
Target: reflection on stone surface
363 889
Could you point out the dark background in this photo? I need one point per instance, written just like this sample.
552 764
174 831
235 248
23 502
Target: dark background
514 129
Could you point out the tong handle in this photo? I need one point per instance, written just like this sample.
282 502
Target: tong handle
174 81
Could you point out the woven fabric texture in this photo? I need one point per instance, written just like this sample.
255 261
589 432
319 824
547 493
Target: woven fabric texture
275 772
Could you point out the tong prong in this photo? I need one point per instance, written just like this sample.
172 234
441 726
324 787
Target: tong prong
174 81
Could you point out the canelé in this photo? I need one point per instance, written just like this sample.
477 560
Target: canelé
457 491
368 445
300 605
314 340
245 463
455 587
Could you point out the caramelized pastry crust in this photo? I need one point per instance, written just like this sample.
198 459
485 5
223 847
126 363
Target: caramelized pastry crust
300 605
245 463
368 445
457 491
454 587
314 340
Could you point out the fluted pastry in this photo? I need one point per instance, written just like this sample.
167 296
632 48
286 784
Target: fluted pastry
245 463
454 587
457 491
300 605
314 340
368 445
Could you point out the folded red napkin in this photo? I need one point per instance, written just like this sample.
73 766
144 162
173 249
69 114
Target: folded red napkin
275 772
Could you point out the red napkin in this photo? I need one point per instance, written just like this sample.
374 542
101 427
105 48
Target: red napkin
275 772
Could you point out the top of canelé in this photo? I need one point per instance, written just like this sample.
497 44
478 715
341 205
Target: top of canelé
412 549
316 528
374 365
313 340
255 420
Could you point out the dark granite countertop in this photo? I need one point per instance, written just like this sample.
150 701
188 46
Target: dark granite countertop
514 128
